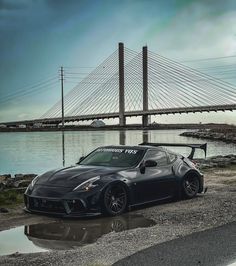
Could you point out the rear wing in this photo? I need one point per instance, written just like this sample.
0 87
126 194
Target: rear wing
192 146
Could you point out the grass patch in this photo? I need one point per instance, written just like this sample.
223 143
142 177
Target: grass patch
11 197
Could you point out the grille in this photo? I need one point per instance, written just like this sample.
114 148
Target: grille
54 206
46 205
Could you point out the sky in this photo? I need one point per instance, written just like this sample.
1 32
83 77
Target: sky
39 36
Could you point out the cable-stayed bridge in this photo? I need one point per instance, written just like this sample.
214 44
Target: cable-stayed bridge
129 84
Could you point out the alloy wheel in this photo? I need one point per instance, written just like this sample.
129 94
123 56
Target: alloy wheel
191 186
115 199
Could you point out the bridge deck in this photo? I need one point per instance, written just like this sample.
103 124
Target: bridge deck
193 109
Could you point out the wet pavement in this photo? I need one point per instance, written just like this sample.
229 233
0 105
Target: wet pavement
66 234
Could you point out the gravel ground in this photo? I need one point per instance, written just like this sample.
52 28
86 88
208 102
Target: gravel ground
211 247
173 219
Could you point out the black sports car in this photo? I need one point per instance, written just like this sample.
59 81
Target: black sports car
112 179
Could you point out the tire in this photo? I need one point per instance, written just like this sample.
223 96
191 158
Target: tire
190 186
114 200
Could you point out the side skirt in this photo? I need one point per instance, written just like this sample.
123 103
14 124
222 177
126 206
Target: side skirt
151 201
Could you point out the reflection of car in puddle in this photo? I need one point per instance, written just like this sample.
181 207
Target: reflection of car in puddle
74 233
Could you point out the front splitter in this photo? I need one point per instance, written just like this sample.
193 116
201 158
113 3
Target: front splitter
63 215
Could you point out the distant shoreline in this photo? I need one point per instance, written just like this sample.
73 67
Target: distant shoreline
226 135
118 128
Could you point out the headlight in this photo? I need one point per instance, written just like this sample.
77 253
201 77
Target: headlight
88 184
31 185
34 181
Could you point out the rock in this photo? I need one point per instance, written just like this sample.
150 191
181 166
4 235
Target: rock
4 210
214 165
18 177
16 254
9 182
229 156
2 186
204 166
215 157
4 177
21 183
24 177
29 176
216 161
18 181
223 164
221 160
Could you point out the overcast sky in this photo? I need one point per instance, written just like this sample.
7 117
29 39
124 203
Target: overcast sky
38 36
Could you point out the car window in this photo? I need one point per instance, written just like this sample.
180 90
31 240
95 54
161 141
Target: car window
158 156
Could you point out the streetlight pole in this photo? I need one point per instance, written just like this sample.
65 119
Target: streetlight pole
62 97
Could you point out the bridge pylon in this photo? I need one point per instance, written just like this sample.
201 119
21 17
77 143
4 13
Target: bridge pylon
121 86
145 118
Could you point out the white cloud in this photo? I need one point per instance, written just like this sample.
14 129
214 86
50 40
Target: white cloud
197 33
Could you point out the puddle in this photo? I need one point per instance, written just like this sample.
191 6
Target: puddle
14 240
65 234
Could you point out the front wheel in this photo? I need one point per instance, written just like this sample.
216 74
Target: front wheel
114 200
190 186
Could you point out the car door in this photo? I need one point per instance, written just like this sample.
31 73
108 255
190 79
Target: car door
157 182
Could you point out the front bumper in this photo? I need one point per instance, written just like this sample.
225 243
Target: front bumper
59 207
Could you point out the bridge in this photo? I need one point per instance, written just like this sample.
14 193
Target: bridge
131 84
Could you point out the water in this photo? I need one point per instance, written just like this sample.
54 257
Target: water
66 234
37 152
14 240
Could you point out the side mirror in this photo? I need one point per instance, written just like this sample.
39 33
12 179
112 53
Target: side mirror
142 168
150 163
80 159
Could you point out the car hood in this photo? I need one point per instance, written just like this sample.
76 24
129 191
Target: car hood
74 175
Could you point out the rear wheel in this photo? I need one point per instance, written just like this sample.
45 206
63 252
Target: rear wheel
190 186
114 200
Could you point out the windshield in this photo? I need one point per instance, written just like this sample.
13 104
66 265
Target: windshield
113 157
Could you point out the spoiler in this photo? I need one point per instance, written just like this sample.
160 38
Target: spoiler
192 146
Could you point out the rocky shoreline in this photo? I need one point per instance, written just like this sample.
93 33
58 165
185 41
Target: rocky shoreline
17 181
228 136
218 161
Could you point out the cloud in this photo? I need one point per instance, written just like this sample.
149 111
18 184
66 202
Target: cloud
58 4
62 10
23 116
198 31
12 4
